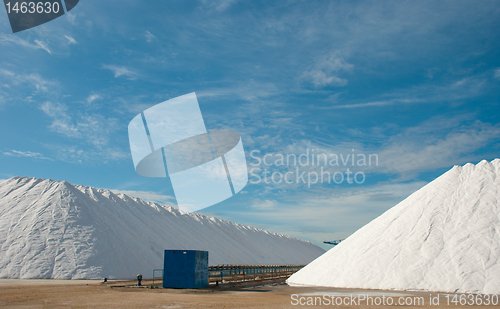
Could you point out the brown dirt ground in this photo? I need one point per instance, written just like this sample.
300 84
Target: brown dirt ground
118 295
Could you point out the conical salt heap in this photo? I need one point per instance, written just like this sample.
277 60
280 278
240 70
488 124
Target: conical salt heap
444 237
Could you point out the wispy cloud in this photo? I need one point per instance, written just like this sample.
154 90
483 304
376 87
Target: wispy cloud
437 143
264 204
92 128
326 70
7 73
149 37
61 121
328 214
455 90
249 90
380 103
71 18
91 98
35 80
24 154
219 5
13 39
148 196
40 83
71 40
497 73
121 71
43 46
79 153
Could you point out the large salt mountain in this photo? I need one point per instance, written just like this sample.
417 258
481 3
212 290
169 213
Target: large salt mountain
444 237
53 229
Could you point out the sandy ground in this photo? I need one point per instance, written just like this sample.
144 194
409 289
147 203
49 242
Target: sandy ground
24 282
90 294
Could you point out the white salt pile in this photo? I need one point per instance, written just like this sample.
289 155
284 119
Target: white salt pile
444 237
53 229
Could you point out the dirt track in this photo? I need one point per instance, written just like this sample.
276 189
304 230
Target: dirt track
99 295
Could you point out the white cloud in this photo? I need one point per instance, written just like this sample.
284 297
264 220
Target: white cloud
25 154
461 89
147 196
121 71
434 144
149 37
71 40
94 129
326 70
320 79
40 83
6 72
264 205
219 5
35 80
43 46
61 121
250 91
71 18
497 73
379 103
77 154
438 143
326 213
91 98
14 39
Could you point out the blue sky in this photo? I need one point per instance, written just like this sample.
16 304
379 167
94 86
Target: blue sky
414 82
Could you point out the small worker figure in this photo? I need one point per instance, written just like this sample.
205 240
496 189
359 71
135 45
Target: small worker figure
139 279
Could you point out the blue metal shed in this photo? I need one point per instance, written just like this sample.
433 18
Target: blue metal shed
185 269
